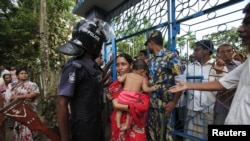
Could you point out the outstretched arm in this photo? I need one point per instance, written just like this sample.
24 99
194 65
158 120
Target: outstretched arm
208 86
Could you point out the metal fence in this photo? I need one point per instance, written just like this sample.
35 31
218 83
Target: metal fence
176 19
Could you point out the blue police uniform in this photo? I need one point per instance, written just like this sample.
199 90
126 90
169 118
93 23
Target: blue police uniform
81 81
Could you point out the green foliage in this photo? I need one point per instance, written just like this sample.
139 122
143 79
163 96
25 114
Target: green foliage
229 37
18 36
133 45
47 106
20 43
60 20
187 40
218 38
59 26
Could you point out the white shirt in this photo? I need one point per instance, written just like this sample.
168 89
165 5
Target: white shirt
201 100
182 100
239 112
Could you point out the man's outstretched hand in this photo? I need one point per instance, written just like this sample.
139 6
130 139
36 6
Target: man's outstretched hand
180 86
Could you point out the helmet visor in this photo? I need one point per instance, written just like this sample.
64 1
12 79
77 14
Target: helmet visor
70 49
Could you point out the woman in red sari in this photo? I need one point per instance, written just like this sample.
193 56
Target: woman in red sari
138 110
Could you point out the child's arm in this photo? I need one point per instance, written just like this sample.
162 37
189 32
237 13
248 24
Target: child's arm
122 78
145 87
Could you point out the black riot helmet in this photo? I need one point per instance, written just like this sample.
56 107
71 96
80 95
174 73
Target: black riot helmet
87 36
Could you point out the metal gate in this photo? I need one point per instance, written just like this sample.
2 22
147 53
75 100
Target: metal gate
181 22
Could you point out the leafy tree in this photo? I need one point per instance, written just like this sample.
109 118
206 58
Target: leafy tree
133 45
182 41
59 20
185 41
218 38
19 34
20 43
229 36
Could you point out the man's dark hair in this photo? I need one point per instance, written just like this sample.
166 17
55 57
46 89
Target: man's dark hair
21 69
206 45
144 51
222 45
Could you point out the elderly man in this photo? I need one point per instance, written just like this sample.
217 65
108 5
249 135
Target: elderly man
225 53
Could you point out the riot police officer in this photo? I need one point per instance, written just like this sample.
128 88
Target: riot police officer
80 85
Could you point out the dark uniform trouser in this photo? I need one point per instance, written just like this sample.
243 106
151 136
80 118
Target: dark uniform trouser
158 128
87 131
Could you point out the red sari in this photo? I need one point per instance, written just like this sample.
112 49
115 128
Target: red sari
138 112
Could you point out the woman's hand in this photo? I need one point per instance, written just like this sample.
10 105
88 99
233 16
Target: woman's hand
109 96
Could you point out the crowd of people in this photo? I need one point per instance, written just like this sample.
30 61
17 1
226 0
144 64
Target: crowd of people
16 85
81 86
150 116
146 96
232 99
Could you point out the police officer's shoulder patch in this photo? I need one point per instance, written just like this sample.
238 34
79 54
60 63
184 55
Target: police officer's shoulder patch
77 64
72 77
